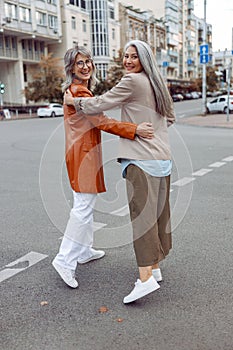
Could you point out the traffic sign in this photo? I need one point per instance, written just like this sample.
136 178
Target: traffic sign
204 59
204 49
165 64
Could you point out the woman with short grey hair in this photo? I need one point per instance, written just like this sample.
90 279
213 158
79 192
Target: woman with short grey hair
146 164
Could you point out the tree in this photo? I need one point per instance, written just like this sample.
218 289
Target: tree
46 81
211 79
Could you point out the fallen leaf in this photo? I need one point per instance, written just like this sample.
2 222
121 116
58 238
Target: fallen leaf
43 303
103 309
120 320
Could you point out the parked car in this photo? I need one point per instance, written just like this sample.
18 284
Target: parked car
177 97
219 104
194 94
52 110
187 96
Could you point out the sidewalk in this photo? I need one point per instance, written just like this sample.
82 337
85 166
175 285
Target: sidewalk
209 120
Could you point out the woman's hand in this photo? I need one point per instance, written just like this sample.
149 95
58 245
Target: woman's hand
145 130
68 98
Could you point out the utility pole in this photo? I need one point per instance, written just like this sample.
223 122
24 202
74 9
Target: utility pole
228 90
204 66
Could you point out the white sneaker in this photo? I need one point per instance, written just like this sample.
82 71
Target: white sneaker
157 274
141 289
66 274
96 254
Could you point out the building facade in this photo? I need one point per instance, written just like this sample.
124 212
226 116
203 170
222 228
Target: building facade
27 29
31 29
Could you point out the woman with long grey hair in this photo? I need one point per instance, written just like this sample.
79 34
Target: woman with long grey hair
84 164
146 163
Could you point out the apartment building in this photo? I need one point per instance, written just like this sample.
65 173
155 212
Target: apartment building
31 29
27 29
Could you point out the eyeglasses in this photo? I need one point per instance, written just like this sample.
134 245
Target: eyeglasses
81 64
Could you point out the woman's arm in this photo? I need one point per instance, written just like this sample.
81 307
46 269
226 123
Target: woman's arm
110 100
123 129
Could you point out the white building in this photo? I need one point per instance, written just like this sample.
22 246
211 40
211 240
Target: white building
27 29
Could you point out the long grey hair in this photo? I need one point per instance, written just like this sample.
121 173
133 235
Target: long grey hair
164 103
69 60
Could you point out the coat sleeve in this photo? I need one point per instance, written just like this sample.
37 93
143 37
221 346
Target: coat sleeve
112 99
113 126
171 118
102 122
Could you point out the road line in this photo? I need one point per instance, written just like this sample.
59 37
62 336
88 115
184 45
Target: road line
184 181
217 164
228 159
21 264
201 172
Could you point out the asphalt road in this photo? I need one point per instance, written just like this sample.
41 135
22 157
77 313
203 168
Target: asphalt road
193 308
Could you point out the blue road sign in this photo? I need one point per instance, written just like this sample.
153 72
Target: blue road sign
204 49
189 62
165 64
204 59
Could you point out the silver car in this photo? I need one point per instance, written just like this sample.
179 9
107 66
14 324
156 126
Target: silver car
219 104
52 110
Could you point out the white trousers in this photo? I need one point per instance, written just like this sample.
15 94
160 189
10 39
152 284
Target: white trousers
78 237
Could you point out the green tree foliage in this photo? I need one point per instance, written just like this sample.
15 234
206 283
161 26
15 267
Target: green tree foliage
211 79
115 73
46 80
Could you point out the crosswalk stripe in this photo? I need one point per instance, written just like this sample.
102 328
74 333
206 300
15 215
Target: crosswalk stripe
201 172
21 264
217 164
184 181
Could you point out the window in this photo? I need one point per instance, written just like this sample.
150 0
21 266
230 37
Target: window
111 12
113 53
73 22
52 22
54 2
113 34
84 25
10 10
83 4
24 14
40 18
79 3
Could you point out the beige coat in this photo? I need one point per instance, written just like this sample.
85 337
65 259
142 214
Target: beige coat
135 96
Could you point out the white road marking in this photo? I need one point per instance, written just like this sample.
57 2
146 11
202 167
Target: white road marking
228 159
201 172
217 164
21 264
184 181
122 211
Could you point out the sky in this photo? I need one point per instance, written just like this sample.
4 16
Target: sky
219 13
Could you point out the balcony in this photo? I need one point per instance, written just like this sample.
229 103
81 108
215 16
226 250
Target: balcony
173 65
172 42
8 53
173 53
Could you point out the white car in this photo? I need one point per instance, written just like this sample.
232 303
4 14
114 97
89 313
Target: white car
219 104
52 110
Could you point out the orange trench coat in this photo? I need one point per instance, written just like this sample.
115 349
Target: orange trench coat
83 144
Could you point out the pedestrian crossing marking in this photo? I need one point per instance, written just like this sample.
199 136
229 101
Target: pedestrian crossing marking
21 264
